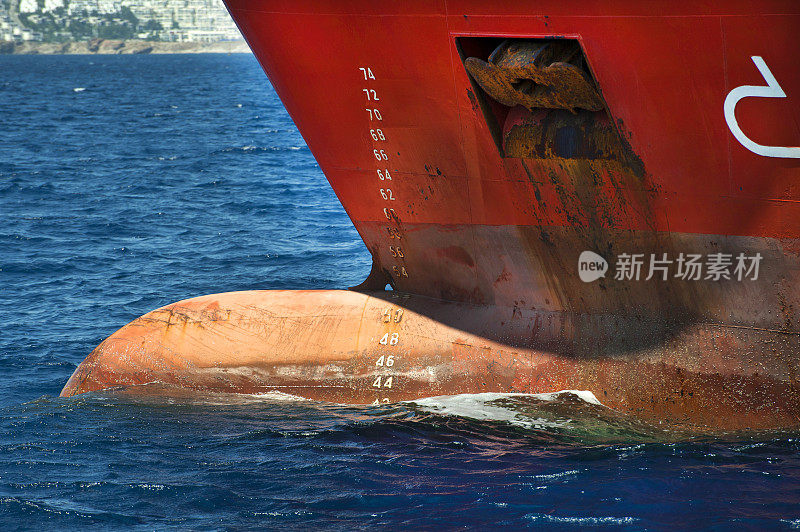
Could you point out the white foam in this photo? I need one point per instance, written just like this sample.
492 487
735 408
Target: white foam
583 521
554 476
152 487
278 396
224 399
478 406
79 89
584 395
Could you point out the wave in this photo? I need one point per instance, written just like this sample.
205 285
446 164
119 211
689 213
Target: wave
581 521
504 407
566 416
257 149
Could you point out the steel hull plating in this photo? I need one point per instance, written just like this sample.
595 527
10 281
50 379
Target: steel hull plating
352 347
480 215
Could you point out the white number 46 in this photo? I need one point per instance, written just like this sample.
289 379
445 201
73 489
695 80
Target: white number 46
384 360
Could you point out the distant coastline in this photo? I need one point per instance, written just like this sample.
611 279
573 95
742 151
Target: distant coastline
108 46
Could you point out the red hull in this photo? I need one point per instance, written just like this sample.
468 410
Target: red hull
479 213
664 89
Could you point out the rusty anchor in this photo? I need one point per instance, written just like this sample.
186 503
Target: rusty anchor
536 75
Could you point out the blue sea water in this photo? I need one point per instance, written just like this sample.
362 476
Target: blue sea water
130 182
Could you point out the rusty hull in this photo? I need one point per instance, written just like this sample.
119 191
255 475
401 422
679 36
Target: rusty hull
363 348
514 142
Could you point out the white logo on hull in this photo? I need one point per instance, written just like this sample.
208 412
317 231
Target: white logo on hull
772 90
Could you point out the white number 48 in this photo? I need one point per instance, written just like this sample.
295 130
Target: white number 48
394 339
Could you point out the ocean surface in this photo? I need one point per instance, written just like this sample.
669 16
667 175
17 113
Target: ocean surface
130 182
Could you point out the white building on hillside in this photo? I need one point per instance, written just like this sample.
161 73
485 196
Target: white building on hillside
28 6
52 5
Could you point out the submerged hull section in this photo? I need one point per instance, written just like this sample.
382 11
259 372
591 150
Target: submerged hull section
625 220
359 348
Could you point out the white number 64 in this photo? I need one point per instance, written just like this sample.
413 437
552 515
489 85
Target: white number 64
772 90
